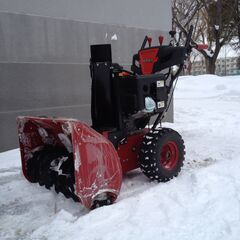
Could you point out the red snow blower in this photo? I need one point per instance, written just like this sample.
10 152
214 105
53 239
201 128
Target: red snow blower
86 163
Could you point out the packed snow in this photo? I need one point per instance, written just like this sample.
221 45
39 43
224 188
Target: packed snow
203 202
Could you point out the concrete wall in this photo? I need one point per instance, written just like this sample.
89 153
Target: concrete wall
44 52
153 14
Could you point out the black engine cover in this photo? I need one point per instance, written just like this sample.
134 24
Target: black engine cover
133 90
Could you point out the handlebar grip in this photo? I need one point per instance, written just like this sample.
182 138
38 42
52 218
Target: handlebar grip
201 46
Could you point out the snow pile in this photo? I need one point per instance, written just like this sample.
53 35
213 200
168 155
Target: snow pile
228 51
203 202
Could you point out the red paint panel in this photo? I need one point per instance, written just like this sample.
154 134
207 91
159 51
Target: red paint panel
147 58
169 155
129 149
97 166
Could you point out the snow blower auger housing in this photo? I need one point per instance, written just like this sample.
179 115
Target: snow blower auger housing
86 163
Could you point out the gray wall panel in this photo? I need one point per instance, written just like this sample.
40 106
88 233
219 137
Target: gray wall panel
153 14
31 85
39 39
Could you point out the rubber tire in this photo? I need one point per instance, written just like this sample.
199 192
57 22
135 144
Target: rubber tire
150 154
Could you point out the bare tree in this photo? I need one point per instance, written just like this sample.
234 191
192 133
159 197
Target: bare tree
238 63
186 13
236 41
214 23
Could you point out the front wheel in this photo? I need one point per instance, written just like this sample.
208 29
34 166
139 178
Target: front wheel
162 154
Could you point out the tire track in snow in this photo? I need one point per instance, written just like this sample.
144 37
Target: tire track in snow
12 169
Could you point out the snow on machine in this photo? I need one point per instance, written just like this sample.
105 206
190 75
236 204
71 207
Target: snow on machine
86 163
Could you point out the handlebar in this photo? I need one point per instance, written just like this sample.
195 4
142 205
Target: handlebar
188 42
189 38
144 42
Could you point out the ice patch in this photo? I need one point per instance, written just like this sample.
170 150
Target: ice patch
77 159
65 141
216 27
43 133
114 37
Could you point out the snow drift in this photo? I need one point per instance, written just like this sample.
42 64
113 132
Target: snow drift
203 202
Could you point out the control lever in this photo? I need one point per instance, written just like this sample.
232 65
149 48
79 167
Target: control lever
144 42
160 39
149 39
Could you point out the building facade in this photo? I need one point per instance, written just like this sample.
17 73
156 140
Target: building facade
44 52
226 64
224 67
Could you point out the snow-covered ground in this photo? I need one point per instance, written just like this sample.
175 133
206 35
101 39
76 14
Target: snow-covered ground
203 202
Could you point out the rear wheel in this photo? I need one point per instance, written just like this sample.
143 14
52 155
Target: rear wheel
162 154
